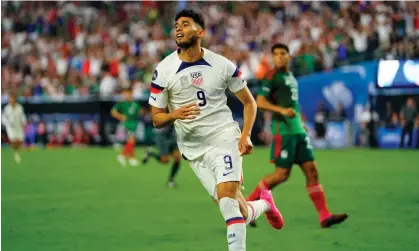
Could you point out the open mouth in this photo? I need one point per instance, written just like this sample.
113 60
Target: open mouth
179 35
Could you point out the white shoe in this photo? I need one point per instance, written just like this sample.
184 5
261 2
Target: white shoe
18 159
122 160
133 162
171 184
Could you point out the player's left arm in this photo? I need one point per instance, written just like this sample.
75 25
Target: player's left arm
250 109
249 114
238 86
23 117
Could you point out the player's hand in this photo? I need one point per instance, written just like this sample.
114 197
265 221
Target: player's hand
122 118
288 112
245 145
189 111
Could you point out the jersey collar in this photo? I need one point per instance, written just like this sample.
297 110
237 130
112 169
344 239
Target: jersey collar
185 65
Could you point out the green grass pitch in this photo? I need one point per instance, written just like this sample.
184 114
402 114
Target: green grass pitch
82 200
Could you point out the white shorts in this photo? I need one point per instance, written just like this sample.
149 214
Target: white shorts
15 134
221 164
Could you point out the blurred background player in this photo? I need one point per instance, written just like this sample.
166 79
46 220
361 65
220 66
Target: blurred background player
127 112
278 93
14 120
165 139
408 115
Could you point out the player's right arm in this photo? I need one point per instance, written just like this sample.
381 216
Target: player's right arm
159 99
264 104
116 114
4 119
161 118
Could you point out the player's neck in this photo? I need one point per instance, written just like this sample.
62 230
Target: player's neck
285 69
191 54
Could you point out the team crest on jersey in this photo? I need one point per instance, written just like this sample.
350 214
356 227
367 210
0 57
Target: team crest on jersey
197 78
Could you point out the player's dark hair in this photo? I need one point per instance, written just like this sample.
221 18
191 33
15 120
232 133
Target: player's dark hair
126 89
196 16
280 46
13 95
105 68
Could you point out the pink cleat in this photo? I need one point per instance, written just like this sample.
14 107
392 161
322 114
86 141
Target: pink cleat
273 215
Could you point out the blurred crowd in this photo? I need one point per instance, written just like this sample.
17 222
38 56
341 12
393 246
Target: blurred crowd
61 49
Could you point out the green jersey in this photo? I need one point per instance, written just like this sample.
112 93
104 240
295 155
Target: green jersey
130 110
281 89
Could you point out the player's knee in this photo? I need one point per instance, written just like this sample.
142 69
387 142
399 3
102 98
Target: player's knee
243 209
228 189
281 175
230 210
177 158
164 159
131 140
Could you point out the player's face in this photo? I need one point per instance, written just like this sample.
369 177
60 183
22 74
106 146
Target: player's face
127 95
13 99
187 32
281 57
410 102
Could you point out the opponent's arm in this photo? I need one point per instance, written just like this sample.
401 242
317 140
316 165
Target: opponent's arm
264 104
119 116
161 118
265 90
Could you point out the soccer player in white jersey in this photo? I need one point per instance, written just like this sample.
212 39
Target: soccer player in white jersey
14 120
191 82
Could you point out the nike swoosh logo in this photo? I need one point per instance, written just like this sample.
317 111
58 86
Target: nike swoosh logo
154 98
225 174
231 242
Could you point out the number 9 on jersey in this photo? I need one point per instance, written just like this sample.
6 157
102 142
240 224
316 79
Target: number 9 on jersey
201 96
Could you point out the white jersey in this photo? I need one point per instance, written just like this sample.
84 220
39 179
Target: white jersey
13 117
176 83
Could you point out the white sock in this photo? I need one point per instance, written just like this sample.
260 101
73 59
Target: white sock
255 209
236 227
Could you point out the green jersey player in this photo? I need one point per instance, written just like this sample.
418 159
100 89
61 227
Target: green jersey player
291 145
127 112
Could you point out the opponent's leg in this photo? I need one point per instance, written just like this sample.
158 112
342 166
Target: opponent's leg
151 154
163 153
317 195
283 154
267 183
128 152
175 168
270 181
